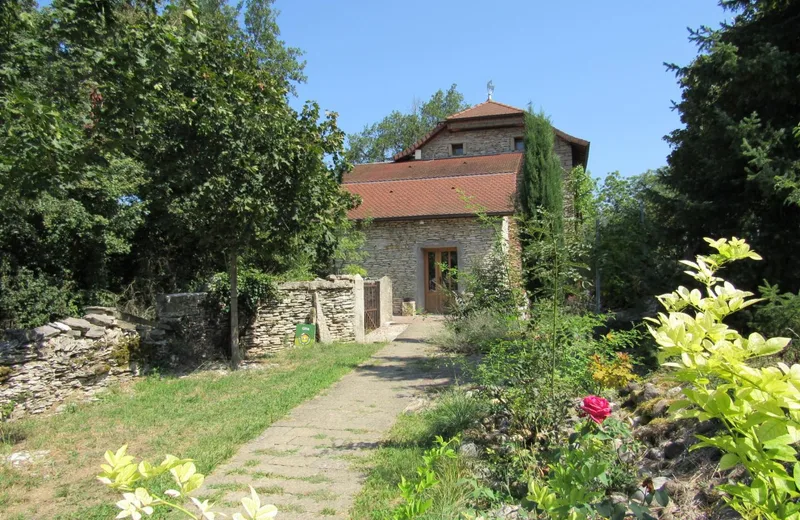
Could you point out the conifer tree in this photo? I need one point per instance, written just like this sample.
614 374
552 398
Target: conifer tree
541 198
542 175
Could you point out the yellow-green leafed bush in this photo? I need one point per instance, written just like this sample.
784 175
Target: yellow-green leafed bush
122 473
758 407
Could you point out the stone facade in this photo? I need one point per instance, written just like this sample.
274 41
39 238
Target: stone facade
485 141
476 142
395 249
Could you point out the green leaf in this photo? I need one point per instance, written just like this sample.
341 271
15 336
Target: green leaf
662 497
728 461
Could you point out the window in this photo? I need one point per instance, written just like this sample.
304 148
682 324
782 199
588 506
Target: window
457 149
519 144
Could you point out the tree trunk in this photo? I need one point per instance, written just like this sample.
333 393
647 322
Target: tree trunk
236 356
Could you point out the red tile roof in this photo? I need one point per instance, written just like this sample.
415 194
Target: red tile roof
454 166
434 197
486 109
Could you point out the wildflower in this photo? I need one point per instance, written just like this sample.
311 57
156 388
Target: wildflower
596 408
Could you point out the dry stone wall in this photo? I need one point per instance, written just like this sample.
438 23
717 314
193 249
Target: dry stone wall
77 357
331 304
274 325
70 359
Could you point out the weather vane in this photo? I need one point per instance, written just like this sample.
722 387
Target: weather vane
490 89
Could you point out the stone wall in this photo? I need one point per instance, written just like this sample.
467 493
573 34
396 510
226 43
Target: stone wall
395 249
331 304
197 332
71 359
301 302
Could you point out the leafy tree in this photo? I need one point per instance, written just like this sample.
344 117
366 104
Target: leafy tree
628 250
734 168
243 174
143 140
397 131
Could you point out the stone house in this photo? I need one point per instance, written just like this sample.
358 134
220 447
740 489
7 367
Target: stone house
420 219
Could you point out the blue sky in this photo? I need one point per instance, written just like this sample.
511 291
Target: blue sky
595 67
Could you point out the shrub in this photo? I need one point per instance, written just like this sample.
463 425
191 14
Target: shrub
416 499
612 374
138 498
779 315
476 331
455 411
253 287
758 406
29 299
582 476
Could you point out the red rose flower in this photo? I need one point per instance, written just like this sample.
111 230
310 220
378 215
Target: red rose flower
596 408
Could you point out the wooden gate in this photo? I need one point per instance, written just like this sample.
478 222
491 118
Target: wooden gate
372 306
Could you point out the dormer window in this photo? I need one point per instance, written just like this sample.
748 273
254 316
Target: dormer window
519 144
457 149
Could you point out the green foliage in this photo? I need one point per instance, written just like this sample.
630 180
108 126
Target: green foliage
492 285
416 504
131 153
350 253
122 473
616 373
401 454
542 175
779 315
477 331
536 388
583 475
628 249
757 406
454 412
580 188
29 299
552 260
736 159
255 288
397 131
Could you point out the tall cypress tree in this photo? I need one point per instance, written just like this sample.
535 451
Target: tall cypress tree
542 175
540 189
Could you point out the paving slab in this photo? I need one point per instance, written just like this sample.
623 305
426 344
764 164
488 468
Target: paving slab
304 463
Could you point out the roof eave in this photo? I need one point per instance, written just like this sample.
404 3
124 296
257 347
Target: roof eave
429 217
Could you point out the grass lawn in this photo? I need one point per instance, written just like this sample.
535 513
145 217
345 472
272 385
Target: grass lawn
206 417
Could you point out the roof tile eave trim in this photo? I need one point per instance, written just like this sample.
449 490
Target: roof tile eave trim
456 176
437 216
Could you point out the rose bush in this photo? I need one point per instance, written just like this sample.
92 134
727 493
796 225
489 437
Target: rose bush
597 408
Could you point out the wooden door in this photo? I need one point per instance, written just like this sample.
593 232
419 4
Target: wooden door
440 277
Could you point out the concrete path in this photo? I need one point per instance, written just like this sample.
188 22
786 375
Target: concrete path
303 463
